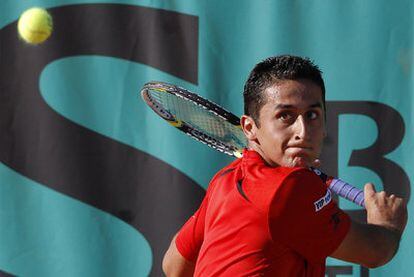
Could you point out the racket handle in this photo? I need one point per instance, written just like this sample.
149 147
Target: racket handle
347 191
342 189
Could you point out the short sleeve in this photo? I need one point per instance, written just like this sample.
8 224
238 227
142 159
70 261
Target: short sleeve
191 235
304 217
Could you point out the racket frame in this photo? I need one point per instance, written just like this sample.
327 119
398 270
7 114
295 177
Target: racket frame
182 125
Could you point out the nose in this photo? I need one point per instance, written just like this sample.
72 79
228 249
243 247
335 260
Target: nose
301 129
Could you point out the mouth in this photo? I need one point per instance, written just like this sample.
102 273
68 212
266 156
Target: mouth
299 149
300 155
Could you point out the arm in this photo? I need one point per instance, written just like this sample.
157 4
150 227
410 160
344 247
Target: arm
174 264
375 243
179 260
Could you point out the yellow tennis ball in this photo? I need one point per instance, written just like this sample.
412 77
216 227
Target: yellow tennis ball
35 25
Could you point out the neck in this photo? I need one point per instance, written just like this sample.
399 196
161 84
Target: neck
256 147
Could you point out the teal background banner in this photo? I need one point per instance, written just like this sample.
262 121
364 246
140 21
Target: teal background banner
93 183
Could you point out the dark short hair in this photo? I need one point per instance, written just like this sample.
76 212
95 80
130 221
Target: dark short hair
275 69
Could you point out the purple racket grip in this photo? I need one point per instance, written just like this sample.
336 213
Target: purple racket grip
342 189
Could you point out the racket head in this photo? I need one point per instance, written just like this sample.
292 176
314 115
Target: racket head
196 116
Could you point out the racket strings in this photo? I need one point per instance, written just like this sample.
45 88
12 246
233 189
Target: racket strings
200 118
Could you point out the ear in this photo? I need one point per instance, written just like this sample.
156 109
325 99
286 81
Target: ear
249 127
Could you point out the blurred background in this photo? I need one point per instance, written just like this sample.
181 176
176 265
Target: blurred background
94 183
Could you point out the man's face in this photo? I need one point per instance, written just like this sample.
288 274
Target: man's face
292 124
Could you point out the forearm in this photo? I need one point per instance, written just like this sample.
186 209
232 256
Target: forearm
368 244
375 243
384 243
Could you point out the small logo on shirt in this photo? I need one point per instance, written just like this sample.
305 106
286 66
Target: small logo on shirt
321 175
323 201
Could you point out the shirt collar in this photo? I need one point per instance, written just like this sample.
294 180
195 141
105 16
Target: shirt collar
252 156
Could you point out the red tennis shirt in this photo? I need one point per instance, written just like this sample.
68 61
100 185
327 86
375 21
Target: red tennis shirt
257 220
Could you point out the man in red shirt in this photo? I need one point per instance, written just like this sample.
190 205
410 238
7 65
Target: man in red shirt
261 215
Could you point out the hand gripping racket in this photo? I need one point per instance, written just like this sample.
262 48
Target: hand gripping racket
209 123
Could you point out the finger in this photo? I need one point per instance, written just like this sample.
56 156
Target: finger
316 163
382 194
369 190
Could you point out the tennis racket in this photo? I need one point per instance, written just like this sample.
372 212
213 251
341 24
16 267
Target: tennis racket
210 124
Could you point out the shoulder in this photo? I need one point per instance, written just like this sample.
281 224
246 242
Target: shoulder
227 169
301 190
223 172
303 215
278 177
299 178
262 184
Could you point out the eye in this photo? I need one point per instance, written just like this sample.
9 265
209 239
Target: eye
312 115
285 116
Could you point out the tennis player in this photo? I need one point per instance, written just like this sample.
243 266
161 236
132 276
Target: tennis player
267 214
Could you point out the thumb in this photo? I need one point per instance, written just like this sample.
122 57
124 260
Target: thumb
369 190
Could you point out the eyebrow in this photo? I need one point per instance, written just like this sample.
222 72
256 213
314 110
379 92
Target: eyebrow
287 106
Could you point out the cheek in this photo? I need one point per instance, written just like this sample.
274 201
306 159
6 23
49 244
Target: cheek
278 138
319 134
317 130
283 134
317 141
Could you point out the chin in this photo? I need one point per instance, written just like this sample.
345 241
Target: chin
299 162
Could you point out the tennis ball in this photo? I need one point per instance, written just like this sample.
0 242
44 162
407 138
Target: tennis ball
35 25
